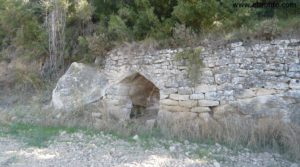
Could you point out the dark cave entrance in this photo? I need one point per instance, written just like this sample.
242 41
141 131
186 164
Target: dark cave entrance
144 96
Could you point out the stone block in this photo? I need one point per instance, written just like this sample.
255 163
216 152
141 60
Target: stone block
169 102
163 96
208 103
224 111
206 80
185 90
246 93
179 97
295 84
169 91
205 88
293 74
238 80
277 85
199 96
222 78
188 103
274 73
206 72
294 67
274 67
200 109
263 91
212 96
174 108
171 83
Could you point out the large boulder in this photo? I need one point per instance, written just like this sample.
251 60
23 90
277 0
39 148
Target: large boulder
79 86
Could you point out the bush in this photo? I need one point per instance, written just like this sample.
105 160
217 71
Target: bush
117 29
22 29
267 29
199 15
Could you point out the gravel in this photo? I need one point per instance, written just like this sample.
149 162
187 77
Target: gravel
97 150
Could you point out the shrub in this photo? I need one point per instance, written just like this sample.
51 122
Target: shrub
267 29
198 15
117 29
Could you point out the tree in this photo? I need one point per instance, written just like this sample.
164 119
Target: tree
198 15
55 20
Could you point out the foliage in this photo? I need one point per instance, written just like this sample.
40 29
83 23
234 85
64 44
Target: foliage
196 14
21 28
267 29
84 10
95 26
34 135
117 28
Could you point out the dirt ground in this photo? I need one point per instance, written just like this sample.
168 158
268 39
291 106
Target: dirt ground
104 150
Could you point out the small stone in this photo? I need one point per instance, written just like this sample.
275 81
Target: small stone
217 164
135 137
294 165
236 44
172 148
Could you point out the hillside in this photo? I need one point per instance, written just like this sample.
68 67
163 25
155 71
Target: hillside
149 83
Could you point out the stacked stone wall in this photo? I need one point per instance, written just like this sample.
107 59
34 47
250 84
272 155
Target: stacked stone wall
254 81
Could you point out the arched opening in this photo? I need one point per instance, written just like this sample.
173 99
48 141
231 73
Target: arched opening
144 96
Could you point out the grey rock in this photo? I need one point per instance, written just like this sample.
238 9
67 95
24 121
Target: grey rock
79 86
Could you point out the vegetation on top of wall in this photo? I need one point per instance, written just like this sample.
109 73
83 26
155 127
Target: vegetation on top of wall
93 24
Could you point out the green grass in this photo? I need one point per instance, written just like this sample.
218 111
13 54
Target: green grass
202 152
33 135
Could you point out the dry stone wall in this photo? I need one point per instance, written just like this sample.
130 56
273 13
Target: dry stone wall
253 81
237 80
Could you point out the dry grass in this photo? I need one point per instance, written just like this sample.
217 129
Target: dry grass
262 134
268 133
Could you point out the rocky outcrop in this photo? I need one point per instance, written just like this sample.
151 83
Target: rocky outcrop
79 86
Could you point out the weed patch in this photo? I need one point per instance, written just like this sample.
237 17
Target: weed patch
33 135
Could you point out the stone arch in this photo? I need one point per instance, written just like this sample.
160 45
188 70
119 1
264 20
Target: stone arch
152 78
137 98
